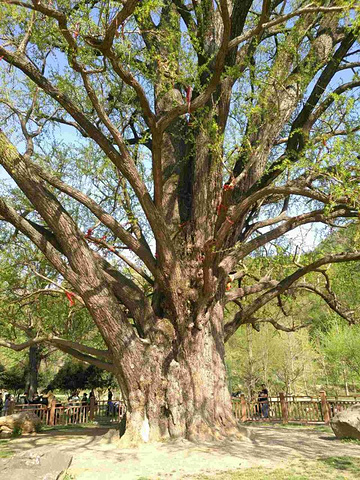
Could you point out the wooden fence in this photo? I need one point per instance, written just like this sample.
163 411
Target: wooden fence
65 414
299 409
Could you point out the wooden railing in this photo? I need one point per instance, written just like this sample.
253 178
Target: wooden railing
306 410
59 414
282 408
114 411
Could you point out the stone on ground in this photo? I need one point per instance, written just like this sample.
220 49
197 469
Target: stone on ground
5 432
26 421
36 464
346 424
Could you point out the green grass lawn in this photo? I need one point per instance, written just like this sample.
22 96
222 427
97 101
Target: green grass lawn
350 440
4 449
71 426
332 468
76 427
317 428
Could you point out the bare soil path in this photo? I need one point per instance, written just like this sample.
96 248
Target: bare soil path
96 458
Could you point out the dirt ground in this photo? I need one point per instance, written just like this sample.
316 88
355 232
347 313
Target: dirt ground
96 458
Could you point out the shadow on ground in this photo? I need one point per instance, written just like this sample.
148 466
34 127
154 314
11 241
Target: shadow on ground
98 458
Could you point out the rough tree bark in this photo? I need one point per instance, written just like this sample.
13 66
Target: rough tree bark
181 388
206 215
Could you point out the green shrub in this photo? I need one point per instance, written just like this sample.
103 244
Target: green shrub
38 427
17 432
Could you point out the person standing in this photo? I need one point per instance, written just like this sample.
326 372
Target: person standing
264 401
109 410
7 403
110 395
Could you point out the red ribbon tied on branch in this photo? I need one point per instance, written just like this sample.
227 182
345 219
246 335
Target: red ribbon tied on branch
76 31
70 296
219 207
117 33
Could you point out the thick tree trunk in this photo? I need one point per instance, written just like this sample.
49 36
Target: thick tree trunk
33 373
182 389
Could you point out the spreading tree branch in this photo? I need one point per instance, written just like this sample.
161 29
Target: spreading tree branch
284 285
272 23
330 300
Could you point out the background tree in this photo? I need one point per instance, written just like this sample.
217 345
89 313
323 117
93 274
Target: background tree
208 131
13 379
74 376
33 305
323 356
284 361
340 346
337 344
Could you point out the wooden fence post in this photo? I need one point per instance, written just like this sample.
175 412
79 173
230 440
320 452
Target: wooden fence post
284 408
11 407
52 412
92 408
243 408
324 407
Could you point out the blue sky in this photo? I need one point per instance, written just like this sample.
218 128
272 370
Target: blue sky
3 174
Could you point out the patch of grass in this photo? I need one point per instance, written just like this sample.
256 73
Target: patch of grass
71 426
323 428
317 428
255 474
347 464
67 476
5 452
332 468
350 440
302 426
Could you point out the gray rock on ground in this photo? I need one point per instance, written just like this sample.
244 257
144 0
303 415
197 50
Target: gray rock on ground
27 421
36 464
346 424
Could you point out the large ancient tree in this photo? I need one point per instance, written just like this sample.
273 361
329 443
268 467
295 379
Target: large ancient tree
208 130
